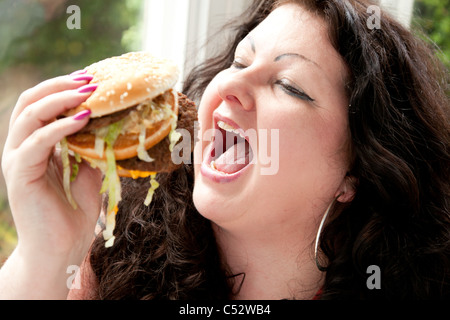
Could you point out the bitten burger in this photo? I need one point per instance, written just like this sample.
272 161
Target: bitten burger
131 132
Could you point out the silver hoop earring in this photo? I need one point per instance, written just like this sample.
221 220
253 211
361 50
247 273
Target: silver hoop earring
316 247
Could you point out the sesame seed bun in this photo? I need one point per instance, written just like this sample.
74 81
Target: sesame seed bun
125 81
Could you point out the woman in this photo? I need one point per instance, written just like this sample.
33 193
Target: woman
363 126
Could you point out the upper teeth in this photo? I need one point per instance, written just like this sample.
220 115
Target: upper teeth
228 128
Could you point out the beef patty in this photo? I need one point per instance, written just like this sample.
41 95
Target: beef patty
187 116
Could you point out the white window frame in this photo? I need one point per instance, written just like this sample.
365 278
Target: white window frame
179 29
402 10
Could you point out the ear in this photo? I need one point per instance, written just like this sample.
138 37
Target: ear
347 190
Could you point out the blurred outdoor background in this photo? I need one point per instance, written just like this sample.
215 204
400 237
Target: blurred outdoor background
36 44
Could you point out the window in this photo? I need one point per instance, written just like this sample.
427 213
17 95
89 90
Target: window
402 10
178 29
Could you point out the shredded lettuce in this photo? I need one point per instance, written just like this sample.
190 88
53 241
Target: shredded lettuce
77 157
174 117
110 226
75 167
66 172
142 152
153 186
96 164
174 137
111 182
100 135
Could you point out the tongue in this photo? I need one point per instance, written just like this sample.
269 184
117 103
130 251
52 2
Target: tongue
236 158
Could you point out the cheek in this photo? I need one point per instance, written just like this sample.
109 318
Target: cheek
313 146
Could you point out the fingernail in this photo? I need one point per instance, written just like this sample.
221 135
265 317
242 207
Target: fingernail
82 115
88 88
78 72
85 77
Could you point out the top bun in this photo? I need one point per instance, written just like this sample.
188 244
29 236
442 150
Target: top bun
125 81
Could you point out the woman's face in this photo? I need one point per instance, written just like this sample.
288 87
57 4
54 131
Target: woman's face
284 98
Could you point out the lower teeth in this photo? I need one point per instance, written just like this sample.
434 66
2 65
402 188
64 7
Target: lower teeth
213 166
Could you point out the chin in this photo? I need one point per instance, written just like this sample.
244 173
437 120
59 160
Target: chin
216 204
206 201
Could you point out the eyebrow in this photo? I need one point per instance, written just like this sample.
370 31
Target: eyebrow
286 55
296 55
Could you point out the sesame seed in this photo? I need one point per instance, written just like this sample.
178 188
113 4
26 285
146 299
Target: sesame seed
124 95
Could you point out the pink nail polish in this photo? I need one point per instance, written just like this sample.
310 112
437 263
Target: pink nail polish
88 88
86 77
78 72
82 115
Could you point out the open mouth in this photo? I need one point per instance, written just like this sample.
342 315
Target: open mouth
231 151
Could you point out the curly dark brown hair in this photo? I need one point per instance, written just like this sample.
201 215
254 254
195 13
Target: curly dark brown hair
399 219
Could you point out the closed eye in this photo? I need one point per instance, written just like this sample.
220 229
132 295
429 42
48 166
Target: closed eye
293 91
284 84
237 65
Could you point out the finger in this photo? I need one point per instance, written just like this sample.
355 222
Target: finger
38 147
48 87
40 113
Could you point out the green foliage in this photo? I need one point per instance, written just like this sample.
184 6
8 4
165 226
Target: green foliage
34 36
433 18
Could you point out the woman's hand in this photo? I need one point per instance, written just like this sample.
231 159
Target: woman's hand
51 234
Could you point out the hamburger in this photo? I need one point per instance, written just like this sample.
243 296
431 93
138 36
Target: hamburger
135 112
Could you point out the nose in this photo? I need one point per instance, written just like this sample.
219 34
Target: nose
236 89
